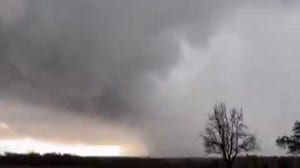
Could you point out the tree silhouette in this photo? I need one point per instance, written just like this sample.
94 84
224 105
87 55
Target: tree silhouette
291 142
227 135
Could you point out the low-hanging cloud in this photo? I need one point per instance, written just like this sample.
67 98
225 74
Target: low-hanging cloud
103 58
123 61
99 56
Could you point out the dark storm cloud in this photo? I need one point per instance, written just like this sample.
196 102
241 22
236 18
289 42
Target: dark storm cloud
62 61
99 56
146 72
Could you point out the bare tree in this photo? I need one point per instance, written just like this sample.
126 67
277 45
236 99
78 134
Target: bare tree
227 135
291 142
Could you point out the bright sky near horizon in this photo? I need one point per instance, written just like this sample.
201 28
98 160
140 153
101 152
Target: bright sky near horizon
28 145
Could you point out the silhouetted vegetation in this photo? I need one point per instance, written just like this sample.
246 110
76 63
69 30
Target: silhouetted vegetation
61 160
227 135
291 142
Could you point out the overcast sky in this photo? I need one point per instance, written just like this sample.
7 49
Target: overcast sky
145 73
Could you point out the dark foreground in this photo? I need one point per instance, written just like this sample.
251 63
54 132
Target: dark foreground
68 161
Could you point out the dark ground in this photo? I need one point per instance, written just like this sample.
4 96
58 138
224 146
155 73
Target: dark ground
68 161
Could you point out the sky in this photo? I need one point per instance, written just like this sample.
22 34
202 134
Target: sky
141 76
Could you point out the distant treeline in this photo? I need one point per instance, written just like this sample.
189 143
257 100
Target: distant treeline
53 159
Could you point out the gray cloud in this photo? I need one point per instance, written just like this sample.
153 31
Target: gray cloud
101 58
97 56
153 67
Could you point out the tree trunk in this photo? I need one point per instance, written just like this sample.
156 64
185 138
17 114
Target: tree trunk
228 164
